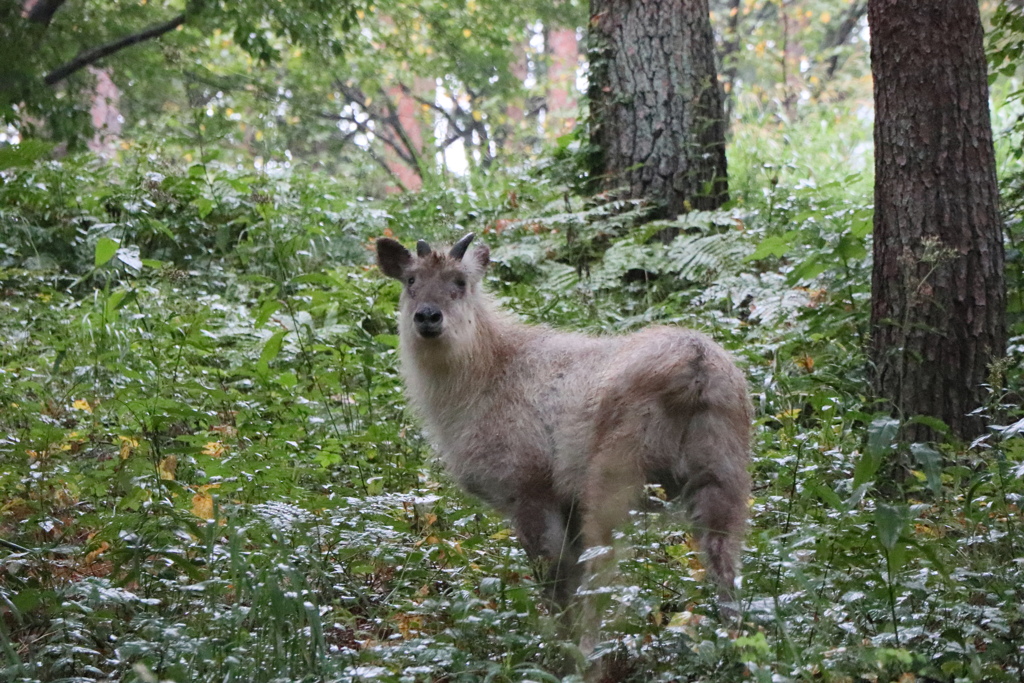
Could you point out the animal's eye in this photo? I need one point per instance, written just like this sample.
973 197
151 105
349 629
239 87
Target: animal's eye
410 281
460 282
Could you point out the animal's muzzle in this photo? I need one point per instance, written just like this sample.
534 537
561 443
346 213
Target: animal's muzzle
428 319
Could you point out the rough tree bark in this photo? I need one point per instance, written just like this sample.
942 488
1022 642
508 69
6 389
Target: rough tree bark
938 293
655 104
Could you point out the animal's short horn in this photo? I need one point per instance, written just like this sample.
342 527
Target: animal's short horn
422 248
459 248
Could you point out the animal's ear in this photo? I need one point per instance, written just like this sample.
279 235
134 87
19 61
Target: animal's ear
392 257
481 257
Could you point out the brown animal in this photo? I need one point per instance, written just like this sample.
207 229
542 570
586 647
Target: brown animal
561 431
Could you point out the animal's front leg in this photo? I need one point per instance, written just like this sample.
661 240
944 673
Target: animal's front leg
550 531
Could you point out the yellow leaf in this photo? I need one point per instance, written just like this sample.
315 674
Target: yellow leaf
202 502
202 506
82 404
128 444
466 32
477 116
91 557
361 14
826 17
168 466
214 449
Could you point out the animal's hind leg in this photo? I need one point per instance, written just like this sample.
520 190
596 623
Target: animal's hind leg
612 485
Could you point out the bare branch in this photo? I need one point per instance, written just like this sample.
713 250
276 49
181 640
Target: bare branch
395 122
841 33
366 130
95 54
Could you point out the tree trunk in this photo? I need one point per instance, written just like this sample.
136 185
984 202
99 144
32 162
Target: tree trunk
938 293
656 109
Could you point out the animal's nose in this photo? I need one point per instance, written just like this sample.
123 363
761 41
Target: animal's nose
427 314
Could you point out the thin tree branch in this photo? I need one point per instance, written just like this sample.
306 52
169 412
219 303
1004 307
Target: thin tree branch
395 122
838 37
95 54
392 133
366 130
730 46
384 164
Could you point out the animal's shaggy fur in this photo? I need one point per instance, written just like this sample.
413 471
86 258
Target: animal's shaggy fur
560 431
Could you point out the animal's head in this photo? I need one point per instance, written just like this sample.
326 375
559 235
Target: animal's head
440 289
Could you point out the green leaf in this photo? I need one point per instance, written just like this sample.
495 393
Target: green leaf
808 270
314 279
25 153
826 495
105 250
931 462
266 309
271 350
205 206
890 521
776 245
851 249
116 300
864 470
882 435
931 422
390 340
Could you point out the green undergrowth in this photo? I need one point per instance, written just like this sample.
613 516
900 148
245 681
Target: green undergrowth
208 472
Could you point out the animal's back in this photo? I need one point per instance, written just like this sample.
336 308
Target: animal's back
571 391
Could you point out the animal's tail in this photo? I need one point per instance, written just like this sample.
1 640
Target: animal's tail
716 488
